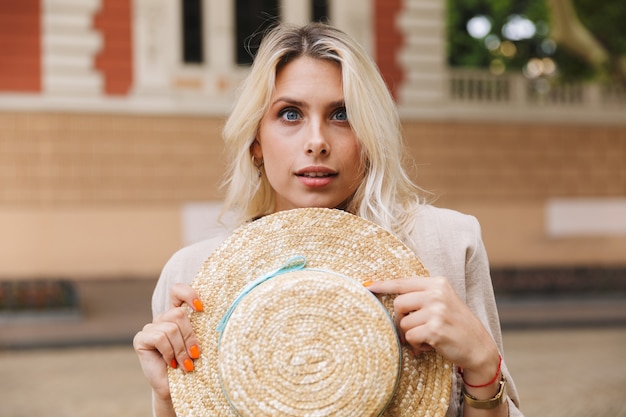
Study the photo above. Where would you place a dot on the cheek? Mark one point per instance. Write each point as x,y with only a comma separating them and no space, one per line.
274,153
262,147
273,139
358,160
275,159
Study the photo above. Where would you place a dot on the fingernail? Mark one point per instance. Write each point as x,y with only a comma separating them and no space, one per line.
174,364
368,283
197,304
188,364
194,352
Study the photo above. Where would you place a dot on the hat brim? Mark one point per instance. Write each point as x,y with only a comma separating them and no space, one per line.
330,240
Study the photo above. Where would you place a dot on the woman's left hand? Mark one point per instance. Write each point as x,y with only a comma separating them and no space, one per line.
430,315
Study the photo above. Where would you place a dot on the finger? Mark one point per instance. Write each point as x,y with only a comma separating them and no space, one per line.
403,307
155,337
423,347
147,343
396,286
407,303
417,337
172,336
183,294
184,342
410,332
416,320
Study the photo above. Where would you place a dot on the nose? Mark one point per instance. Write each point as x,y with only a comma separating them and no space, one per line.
317,143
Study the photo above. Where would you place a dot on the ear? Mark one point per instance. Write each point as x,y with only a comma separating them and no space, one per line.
256,150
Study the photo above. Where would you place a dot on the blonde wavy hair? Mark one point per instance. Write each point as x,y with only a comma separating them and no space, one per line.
387,196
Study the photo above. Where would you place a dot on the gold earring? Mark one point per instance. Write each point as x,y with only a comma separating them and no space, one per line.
258,166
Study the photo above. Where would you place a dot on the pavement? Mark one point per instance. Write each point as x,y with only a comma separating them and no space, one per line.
567,356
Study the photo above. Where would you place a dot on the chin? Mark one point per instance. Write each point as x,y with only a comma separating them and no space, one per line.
336,203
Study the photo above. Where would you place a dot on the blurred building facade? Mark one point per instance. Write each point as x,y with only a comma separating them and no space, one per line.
111,154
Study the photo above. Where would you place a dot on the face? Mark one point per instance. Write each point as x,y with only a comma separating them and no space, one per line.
311,155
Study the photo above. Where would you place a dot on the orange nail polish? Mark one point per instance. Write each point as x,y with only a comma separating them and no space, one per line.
188,364
194,352
197,304
174,364
368,283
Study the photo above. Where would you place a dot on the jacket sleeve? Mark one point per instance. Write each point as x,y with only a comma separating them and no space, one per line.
480,298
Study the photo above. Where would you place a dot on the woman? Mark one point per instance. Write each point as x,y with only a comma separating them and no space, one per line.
315,126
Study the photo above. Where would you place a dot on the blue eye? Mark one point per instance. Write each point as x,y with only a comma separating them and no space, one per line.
341,115
289,115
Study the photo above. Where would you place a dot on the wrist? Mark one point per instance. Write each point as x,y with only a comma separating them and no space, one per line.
480,392
485,402
474,379
163,408
161,395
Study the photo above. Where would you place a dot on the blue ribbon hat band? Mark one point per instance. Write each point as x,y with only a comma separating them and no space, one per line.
380,344
294,264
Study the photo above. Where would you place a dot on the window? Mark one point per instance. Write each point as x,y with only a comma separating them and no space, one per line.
193,46
319,10
253,18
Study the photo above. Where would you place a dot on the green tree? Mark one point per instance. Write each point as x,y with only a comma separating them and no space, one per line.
594,32
585,39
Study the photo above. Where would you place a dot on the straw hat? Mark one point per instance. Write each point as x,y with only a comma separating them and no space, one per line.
289,329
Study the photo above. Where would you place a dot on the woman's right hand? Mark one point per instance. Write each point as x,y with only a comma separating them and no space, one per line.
169,341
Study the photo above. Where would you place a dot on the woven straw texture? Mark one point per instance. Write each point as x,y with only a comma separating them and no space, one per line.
309,342
329,240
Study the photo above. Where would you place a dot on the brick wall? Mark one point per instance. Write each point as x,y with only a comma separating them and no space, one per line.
20,45
93,159
102,195
389,41
61,158
518,161
115,59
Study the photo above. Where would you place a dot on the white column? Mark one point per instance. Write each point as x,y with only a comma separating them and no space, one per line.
423,56
70,45
219,18
354,17
156,44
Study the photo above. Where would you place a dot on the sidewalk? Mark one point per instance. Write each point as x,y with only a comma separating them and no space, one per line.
558,372
567,356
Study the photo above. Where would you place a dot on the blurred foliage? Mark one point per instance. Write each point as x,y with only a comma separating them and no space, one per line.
604,19
466,51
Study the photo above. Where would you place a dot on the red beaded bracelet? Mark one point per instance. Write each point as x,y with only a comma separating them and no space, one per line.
494,379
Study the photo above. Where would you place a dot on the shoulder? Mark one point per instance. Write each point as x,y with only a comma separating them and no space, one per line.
445,222
191,258
182,267
446,240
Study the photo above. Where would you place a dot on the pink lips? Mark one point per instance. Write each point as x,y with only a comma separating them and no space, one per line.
316,176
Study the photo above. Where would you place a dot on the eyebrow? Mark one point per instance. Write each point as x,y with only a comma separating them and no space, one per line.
299,103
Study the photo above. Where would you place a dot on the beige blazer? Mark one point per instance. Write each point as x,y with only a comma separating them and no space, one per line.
448,243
